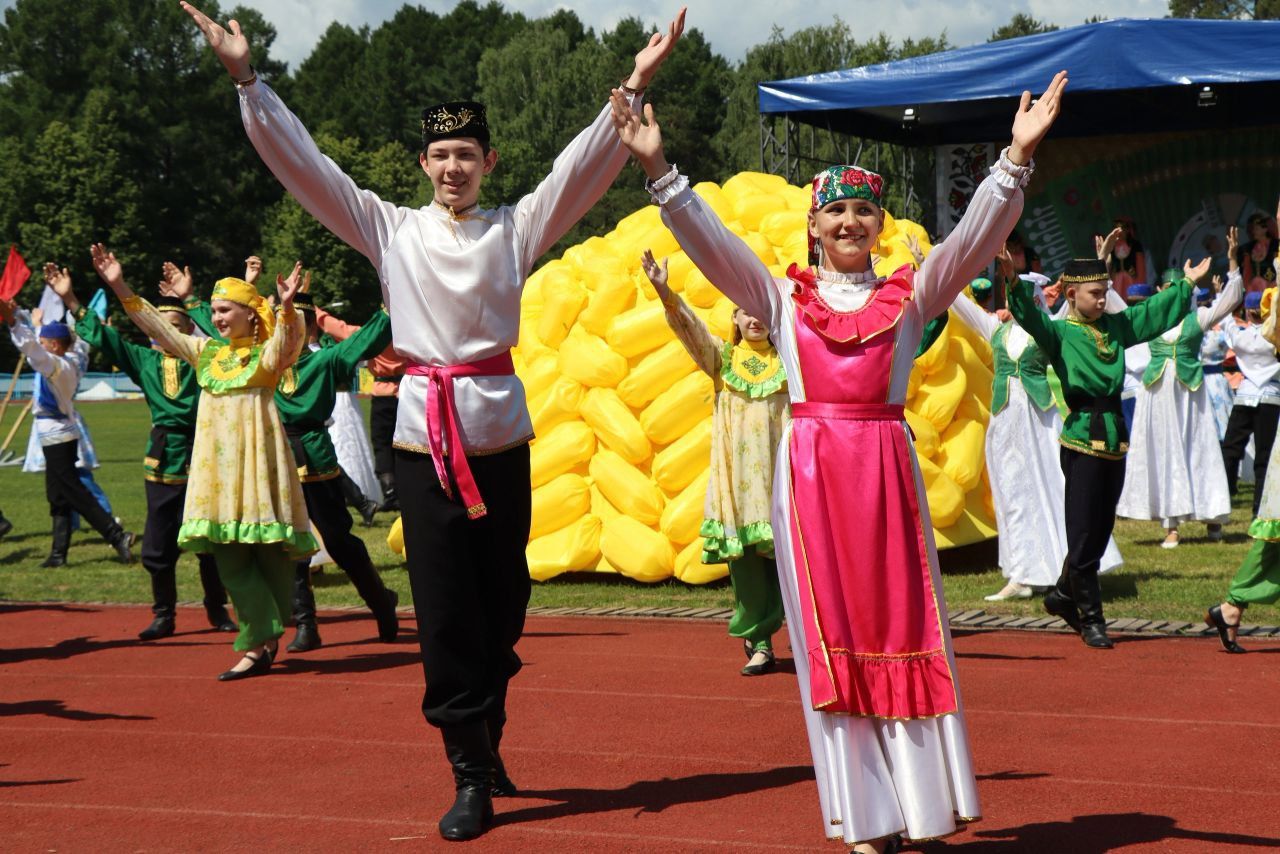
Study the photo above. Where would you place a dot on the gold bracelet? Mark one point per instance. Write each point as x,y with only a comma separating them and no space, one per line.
248,81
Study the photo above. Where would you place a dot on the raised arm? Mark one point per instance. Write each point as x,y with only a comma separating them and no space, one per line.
975,317
335,327
1153,317
587,166
722,256
994,210
141,312
1023,306
358,217
367,341
1224,303
24,338
690,331
282,348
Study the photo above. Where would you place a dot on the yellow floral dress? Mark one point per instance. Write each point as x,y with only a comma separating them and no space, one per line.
751,412
243,486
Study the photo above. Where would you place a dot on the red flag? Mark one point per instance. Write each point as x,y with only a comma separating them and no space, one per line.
15,275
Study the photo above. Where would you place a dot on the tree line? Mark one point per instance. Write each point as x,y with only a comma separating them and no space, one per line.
117,123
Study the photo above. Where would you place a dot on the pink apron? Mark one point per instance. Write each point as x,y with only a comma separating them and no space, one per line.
872,627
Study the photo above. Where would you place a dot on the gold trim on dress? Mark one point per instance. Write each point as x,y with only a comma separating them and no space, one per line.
169,374
1092,452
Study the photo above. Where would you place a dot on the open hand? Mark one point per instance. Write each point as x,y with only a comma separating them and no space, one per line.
176,283
1199,271
252,269
229,45
287,287
59,280
913,246
109,269
1104,245
1032,121
642,139
1233,248
650,59
1004,263
657,274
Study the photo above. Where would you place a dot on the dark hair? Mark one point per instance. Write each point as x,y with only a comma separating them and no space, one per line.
483,143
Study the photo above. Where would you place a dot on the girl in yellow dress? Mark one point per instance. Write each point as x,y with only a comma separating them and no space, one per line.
244,502
751,414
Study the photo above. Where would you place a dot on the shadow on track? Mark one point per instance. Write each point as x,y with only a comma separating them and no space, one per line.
58,709
1091,834
652,796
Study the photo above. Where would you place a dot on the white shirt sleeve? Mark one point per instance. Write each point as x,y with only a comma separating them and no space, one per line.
975,316
977,238
722,256
24,338
1224,303
579,177
358,217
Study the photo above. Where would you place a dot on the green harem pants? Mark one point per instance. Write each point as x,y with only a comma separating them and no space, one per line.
259,578
757,599
1257,581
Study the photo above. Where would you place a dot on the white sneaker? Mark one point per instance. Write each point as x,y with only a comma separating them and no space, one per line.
1012,590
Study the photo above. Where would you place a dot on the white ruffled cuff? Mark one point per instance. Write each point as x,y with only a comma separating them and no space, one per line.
1008,174
667,187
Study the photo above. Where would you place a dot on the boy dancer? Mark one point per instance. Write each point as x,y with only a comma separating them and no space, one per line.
1087,352
451,278
170,389
57,362
1255,411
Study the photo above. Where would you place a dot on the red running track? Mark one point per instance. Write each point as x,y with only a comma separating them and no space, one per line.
626,735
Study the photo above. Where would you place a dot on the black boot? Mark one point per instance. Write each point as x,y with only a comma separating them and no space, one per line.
161,627
388,619
1063,607
61,542
354,497
390,504
5,525
1088,596
471,755
220,618
122,541
503,787
307,636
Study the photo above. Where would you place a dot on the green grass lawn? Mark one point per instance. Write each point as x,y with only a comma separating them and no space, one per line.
1155,583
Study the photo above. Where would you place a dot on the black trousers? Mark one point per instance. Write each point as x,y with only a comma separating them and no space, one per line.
382,430
1259,422
1093,487
470,582
160,551
328,511
65,492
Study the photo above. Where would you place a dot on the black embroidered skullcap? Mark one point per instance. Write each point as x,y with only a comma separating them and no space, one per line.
304,301
1081,270
167,303
453,120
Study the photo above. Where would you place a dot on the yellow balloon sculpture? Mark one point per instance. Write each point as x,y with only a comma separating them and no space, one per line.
623,417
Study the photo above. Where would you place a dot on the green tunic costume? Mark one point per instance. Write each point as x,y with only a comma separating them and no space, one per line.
168,385
1088,357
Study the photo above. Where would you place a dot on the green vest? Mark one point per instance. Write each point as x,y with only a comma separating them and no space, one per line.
1029,368
1185,353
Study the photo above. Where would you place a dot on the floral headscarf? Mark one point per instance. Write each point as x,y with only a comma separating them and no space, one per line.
842,182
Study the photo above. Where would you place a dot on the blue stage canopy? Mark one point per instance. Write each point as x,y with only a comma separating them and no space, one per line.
1127,76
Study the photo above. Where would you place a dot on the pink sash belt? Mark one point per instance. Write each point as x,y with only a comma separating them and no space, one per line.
444,437
849,411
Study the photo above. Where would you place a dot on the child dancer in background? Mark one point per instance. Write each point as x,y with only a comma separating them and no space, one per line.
1087,353
750,418
858,568
244,502
1174,470
1255,411
1021,451
1213,353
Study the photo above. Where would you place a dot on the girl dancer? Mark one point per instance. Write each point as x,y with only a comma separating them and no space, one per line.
244,503
1175,471
750,416
858,567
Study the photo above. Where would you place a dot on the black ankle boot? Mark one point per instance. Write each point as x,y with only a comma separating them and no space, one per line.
387,618
220,619
123,542
390,504
1063,607
471,755
161,627
503,787
305,638
61,543
1088,595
